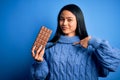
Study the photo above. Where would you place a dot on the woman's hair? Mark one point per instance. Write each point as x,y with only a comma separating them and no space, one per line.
81,28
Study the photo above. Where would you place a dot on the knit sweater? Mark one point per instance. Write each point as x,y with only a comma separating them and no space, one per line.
66,61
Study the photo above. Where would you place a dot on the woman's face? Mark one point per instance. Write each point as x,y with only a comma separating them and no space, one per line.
68,23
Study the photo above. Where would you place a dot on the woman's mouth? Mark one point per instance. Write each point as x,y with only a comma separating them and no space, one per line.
64,28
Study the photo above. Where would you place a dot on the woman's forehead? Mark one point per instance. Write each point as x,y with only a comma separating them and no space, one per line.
67,14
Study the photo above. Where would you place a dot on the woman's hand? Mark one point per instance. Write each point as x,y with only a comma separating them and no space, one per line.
38,55
84,42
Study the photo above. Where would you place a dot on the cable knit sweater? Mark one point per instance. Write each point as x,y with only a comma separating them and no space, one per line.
65,61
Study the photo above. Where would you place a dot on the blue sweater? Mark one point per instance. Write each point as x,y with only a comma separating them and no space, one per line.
65,61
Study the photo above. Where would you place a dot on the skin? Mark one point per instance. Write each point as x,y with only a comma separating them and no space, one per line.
68,25
38,55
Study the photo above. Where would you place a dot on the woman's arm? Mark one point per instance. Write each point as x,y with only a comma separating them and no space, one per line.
107,56
39,70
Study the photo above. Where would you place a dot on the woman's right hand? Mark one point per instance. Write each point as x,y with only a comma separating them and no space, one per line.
38,55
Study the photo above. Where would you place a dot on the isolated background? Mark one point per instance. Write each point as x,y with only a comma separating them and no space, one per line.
20,21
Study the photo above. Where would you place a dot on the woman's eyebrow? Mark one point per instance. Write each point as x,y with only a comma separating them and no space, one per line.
66,17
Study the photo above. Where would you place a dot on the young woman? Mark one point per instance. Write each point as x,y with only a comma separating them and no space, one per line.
72,54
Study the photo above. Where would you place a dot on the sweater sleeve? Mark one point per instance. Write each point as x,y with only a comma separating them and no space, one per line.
39,70
107,56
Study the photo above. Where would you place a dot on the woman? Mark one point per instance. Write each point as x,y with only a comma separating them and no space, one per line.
72,54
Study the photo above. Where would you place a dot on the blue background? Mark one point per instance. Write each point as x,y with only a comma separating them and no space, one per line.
20,21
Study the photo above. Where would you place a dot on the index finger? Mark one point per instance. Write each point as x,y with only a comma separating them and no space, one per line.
75,43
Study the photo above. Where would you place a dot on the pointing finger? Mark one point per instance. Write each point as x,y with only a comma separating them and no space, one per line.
75,43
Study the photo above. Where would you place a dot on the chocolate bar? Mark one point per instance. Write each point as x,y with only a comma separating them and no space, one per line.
42,38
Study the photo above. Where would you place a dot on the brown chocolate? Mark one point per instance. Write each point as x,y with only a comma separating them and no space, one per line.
42,38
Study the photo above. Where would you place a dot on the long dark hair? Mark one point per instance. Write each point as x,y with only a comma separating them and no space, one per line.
81,28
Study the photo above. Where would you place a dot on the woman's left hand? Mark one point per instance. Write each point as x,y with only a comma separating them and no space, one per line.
84,42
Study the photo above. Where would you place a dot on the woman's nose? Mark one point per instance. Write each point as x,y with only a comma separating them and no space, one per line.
65,22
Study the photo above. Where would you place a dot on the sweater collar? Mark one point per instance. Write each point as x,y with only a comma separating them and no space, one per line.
67,39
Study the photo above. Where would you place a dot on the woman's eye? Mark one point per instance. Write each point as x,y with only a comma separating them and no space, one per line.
69,20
